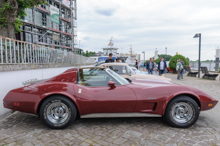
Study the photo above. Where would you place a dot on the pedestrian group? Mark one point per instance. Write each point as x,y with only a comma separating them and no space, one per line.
151,66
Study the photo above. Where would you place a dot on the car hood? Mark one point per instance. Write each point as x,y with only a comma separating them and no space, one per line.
147,76
149,83
153,87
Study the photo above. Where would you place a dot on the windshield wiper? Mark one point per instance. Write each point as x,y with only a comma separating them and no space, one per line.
128,80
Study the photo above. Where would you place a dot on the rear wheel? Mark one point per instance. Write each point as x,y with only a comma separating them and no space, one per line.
58,112
182,112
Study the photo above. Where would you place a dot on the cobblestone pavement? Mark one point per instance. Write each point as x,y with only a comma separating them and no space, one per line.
25,129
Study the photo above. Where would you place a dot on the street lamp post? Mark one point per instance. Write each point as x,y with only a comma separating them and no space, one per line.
144,55
79,43
196,36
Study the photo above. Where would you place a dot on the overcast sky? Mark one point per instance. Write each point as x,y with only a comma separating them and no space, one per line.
150,24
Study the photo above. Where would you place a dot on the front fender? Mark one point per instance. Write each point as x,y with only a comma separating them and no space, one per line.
178,94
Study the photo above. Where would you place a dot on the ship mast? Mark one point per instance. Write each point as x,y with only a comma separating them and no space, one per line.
131,50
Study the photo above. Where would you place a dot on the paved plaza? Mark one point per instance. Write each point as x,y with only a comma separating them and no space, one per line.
27,130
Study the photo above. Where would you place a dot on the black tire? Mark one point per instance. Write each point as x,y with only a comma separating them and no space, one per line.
71,111
173,120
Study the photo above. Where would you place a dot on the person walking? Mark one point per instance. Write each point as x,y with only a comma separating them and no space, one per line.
155,68
150,66
109,60
179,68
136,64
162,66
145,64
139,65
181,73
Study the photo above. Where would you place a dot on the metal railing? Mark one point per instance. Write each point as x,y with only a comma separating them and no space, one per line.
20,52
210,65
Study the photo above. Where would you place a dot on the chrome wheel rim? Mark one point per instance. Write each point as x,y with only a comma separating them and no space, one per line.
182,112
57,112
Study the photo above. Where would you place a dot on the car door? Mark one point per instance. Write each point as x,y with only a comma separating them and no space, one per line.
95,96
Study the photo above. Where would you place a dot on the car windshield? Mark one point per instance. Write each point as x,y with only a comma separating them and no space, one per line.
130,71
99,63
118,69
118,77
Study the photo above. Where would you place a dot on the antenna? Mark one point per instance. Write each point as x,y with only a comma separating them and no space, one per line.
131,50
111,43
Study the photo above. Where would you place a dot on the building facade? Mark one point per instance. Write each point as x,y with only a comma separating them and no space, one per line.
53,24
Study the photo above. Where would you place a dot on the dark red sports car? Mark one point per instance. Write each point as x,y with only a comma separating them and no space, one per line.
101,92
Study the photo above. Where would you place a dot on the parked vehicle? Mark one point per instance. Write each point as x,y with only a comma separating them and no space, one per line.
125,71
99,92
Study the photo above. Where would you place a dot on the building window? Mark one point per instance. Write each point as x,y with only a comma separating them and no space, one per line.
38,18
29,13
63,12
22,36
44,19
27,28
28,37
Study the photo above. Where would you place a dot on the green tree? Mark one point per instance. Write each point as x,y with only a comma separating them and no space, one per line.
88,54
11,12
165,57
187,58
173,61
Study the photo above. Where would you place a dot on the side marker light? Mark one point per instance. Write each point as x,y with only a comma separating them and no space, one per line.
16,104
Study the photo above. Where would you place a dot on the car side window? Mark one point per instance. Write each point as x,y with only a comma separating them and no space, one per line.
119,69
95,77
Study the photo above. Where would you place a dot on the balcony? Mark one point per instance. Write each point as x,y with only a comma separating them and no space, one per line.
66,18
43,8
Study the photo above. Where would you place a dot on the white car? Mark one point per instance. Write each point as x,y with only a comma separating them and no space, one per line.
133,68
125,71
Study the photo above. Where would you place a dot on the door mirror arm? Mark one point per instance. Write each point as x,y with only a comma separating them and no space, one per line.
111,84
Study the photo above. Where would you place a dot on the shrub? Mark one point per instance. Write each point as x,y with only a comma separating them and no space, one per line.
173,61
147,61
157,60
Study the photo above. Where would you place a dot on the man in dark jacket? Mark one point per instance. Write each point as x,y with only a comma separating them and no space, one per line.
150,66
109,60
181,72
162,66
136,64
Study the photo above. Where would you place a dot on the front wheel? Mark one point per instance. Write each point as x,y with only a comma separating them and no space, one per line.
182,112
58,112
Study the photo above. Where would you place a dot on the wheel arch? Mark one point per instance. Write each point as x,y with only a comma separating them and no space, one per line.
60,94
194,97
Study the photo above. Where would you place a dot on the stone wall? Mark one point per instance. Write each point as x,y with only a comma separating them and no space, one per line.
12,79
11,67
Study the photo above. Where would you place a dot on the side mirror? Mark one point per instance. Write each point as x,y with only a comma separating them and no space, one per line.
111,83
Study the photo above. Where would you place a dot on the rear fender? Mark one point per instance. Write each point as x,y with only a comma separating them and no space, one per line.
71,97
